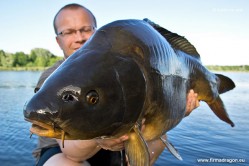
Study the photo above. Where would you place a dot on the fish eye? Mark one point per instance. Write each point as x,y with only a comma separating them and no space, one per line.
68,97
92,97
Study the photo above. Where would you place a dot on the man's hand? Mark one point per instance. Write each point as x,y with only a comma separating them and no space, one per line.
115,144
192,102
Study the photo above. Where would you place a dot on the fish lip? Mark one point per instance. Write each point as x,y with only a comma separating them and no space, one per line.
44,130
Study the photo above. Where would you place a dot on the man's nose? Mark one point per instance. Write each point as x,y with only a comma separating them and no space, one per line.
80,36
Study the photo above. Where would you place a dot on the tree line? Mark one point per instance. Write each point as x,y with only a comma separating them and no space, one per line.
243,68
38,57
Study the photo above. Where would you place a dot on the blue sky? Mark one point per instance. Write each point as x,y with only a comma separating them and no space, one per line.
219,29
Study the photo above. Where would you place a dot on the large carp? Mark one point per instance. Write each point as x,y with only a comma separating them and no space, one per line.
128,70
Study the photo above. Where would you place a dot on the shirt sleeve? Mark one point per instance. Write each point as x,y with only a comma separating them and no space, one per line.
46,74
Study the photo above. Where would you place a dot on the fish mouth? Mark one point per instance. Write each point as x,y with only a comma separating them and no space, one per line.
45,130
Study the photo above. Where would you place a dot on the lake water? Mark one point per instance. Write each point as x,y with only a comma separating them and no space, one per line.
201,138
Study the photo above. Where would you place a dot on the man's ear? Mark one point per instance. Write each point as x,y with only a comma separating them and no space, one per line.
58,41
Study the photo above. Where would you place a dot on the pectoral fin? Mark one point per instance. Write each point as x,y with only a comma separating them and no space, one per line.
171,148
136,149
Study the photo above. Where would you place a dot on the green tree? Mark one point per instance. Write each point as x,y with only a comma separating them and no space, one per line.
7,59
2,55
21,59
40,57
32,57
54,59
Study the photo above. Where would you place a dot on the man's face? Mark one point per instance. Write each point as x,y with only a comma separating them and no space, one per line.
74,28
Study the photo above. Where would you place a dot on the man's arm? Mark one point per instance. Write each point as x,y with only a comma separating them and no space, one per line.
74,153
79,150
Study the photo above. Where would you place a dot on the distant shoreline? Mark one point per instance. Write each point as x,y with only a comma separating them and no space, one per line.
242,68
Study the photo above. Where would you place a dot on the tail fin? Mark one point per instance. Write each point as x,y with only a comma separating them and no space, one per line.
219,109
226,83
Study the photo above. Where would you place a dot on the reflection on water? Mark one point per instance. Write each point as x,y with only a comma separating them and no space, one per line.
200,136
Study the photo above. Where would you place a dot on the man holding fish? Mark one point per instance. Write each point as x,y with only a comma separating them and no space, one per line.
74,25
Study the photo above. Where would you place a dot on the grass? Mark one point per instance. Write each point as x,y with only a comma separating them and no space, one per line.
34,68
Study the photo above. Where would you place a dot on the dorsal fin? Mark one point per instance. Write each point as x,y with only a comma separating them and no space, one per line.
177,42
